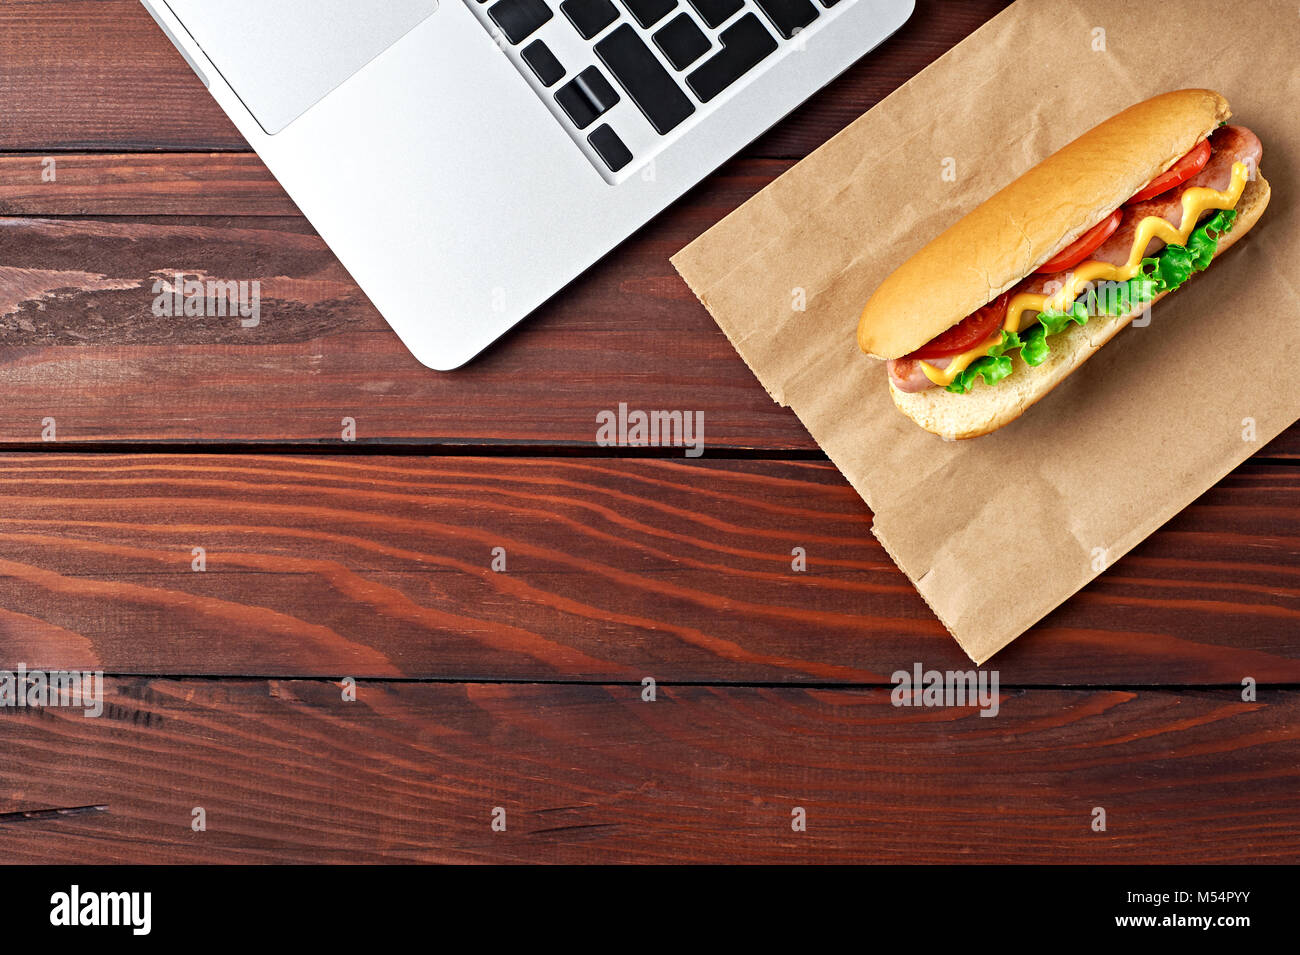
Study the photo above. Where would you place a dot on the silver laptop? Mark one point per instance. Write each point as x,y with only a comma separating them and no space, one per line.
465,159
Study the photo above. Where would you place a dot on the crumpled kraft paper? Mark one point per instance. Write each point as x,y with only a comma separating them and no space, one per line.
996,531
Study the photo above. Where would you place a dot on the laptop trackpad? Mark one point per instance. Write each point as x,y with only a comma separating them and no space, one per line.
282,57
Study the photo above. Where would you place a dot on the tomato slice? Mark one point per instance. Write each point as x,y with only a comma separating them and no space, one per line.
976,327
1082,247
1178,173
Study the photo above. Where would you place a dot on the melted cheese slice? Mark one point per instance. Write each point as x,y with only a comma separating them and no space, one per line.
1196,202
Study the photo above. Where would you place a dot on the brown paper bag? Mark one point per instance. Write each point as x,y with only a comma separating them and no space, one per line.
996,531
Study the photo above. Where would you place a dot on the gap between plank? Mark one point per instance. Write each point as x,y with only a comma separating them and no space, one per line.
433,449
701,684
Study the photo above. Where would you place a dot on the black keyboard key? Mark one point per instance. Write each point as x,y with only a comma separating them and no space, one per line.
586,96
744,44
681,41
542,62
646,81
518,18
589,17
714,13
609,147
649,12
788,15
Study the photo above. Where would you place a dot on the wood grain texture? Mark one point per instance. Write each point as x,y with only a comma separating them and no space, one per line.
615,569
140,184
99,75
80,343
286,771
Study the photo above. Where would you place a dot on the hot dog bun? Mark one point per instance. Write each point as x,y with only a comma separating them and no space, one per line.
985,409
1018,229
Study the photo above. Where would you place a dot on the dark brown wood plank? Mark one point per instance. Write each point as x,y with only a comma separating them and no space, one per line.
120,85
286,771
140,184
99,74
615,569
79,341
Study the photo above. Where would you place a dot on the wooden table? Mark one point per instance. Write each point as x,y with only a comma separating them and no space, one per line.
329,562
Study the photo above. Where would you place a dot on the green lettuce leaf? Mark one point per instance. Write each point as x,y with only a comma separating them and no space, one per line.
1175,267
1120,298
1204,240
1055,322
1035,350
993,367
1161,273
1177,262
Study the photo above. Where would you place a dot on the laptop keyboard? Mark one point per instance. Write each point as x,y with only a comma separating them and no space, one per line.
672,59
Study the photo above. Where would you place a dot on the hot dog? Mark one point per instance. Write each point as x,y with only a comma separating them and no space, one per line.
1229,145
950,383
